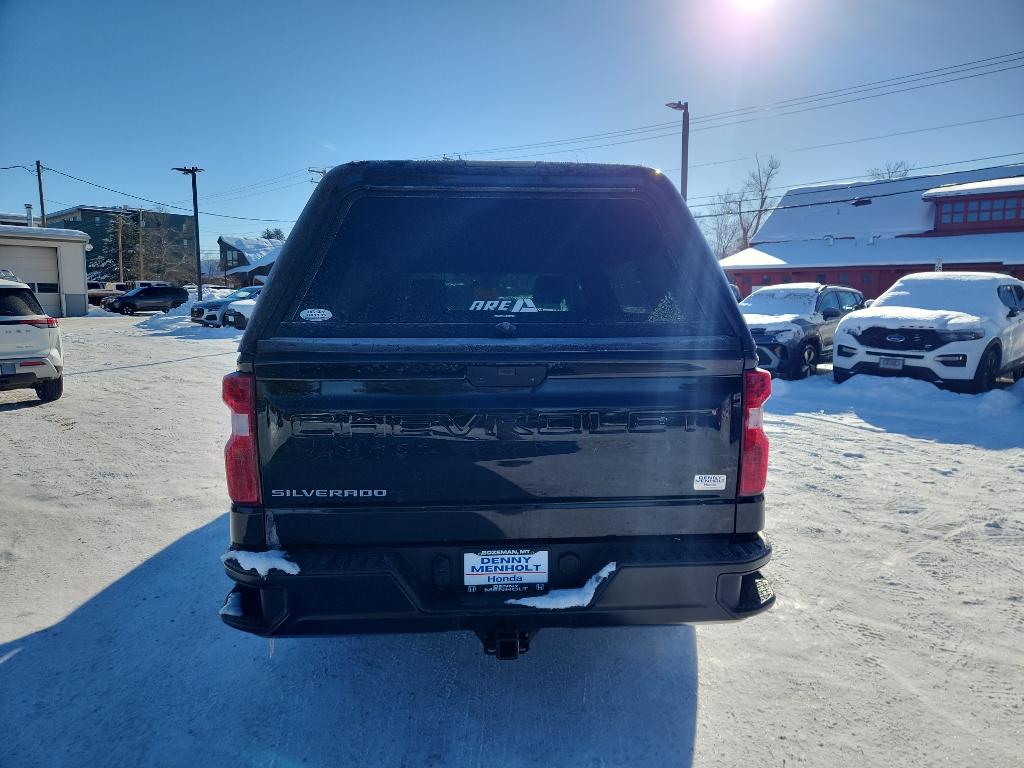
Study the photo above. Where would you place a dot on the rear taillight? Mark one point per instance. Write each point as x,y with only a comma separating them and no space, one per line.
240,459
757,388
42,322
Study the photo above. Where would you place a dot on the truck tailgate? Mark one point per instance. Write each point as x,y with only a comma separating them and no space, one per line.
379,449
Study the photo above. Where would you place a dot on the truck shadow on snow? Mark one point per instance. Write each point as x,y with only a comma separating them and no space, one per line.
144,673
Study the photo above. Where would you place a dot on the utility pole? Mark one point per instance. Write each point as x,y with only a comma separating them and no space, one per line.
192,171
684,107
319,171
120,248
42,203
142,273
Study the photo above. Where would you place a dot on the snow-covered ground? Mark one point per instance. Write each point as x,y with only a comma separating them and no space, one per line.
897,640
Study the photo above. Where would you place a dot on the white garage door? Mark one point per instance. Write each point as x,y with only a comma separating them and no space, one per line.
37,266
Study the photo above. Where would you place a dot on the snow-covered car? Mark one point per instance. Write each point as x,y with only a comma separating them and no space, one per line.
959,329
211,312
31,349
793,324
238,313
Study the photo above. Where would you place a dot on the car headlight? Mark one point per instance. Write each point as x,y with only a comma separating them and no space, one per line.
968,335
783,336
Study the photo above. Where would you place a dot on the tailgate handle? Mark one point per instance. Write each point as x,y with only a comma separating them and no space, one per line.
506,375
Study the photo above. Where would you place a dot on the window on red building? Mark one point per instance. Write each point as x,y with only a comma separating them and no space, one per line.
976,213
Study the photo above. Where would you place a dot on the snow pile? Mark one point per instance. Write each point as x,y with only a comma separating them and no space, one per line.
567,598
262,562
907,405
178,321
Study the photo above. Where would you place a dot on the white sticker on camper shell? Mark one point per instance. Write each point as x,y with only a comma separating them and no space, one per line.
709,482
316,315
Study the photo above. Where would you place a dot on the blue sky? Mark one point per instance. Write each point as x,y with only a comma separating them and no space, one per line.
119,92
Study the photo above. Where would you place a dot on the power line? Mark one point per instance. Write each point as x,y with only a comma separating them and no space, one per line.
253,185
875,85
787,104
165,205
866,138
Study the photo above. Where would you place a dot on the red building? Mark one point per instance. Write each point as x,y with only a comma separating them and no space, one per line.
866,235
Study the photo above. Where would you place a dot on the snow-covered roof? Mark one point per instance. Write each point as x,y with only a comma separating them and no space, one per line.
256,249
265,259
986,248
988,187
896,207
43,233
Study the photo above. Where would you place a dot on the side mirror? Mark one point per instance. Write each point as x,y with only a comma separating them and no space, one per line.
868,303
831,313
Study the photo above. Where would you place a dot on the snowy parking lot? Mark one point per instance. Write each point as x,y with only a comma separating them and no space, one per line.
897,640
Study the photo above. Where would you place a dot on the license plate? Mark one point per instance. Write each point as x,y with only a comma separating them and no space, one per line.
505,570
7,369
890,363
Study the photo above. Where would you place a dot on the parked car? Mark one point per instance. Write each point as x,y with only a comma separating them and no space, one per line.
31,349
793,324
211,312
238,313
154,298
133,284
6,274
98,291
546,413
959,329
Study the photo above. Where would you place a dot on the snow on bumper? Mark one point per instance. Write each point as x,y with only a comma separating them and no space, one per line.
693,579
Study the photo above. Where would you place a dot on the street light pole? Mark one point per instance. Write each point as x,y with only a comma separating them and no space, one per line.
684,107
192,171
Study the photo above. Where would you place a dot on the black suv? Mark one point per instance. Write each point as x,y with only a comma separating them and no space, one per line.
495,397
793,324
153,298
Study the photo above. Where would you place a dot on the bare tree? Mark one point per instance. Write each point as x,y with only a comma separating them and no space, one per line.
757,198
898,169
721,227
736,216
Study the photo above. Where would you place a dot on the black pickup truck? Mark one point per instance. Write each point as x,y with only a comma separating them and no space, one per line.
495,397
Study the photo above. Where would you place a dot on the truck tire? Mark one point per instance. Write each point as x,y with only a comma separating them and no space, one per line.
50,390
128,309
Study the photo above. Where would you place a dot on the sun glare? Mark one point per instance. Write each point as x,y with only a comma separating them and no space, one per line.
753,6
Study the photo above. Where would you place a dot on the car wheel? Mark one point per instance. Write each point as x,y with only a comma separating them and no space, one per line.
987,371
167,310
128,309
50,390
805,362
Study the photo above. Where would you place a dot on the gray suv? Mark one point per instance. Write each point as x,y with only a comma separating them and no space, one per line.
153,298
793,324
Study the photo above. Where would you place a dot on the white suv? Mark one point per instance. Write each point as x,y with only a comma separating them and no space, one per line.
31,353
959,329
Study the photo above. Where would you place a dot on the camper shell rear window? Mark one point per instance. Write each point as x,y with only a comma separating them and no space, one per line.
451,265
